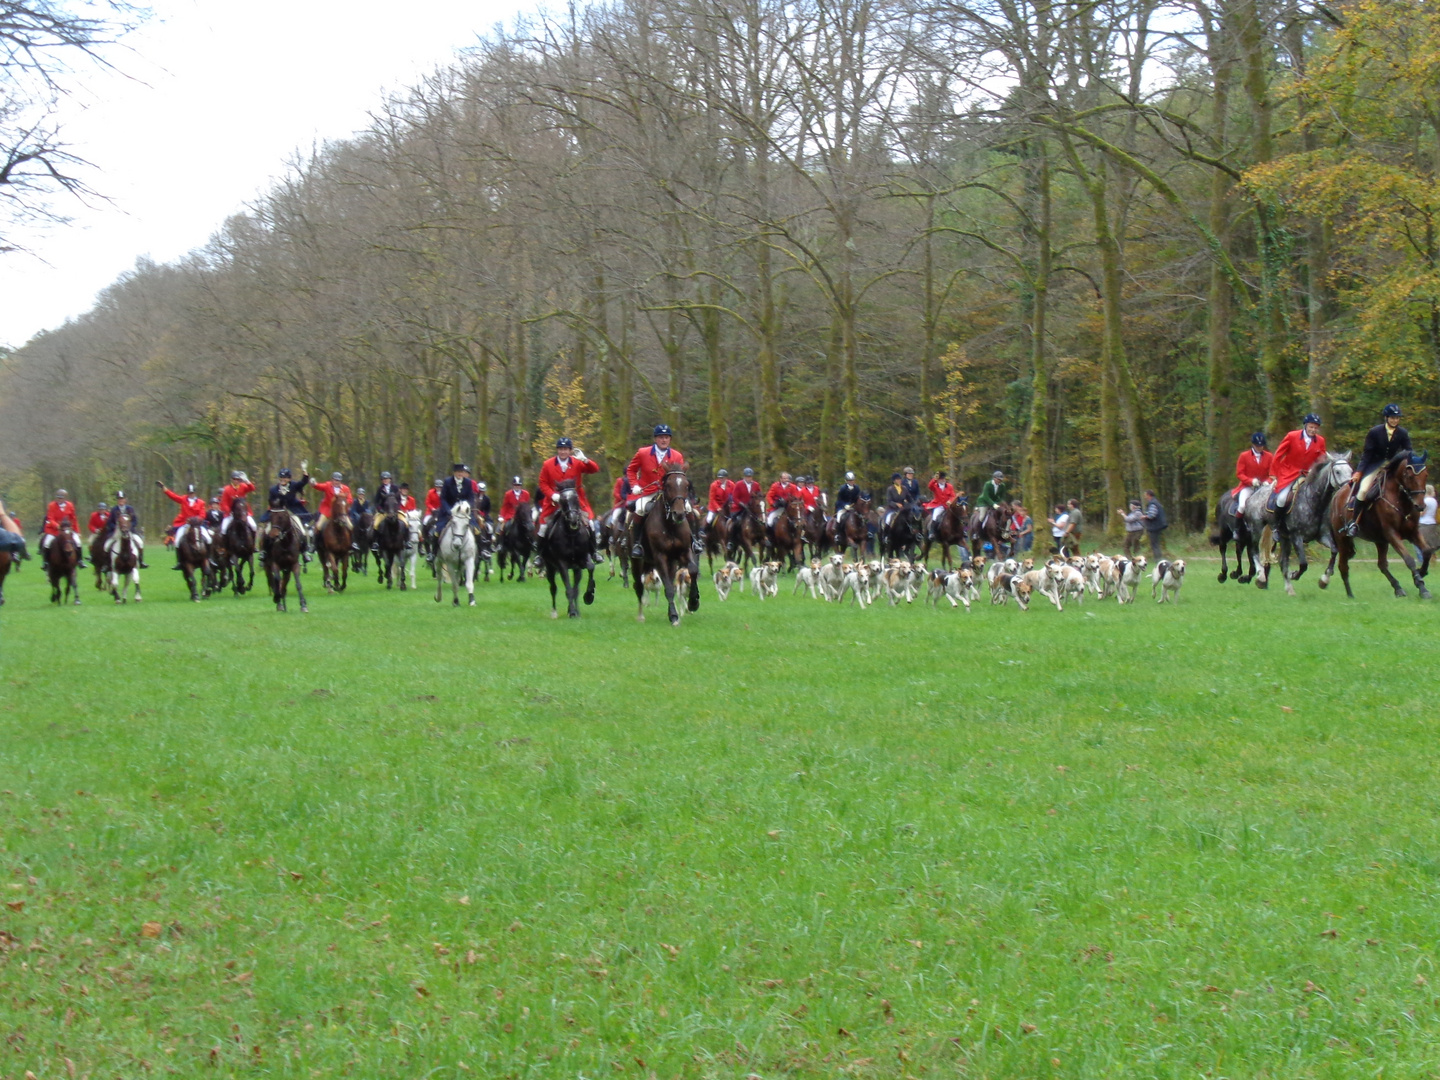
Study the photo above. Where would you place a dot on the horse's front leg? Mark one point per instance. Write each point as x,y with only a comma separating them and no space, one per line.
572,591
667,576
1404,551
300,592
590,586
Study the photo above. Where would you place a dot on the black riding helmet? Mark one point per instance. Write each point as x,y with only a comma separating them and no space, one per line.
1391,410
1258,439
1311,418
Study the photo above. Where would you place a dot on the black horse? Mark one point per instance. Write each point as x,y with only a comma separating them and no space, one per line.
392,533
1230,528
665,538
902,536
566,550
517,541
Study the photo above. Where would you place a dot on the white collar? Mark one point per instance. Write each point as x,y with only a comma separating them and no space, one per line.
660,455
1257,452
564,463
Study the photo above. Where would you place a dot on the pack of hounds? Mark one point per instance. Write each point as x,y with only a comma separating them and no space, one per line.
1059,581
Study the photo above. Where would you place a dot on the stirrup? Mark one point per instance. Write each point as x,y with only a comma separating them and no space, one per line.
637,552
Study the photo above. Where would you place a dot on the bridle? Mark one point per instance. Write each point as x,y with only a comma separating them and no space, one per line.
673,515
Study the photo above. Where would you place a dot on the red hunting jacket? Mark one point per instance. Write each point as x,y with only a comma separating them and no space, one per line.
552,473
1293,458
647,469
1248,467
190,506
719,495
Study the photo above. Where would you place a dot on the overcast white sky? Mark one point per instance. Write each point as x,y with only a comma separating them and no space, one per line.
220,94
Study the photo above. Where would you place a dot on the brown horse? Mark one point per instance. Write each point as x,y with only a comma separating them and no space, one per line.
123,556
1391,519
61,559
853,530
193,554
992,525
744,535
283,543
788,533
240,547
948,531
665,538
814,528
99,559
334,544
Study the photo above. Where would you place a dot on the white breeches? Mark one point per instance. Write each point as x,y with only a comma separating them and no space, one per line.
180,535
225,525
1242,499
772,517
935,514
710,516
113,544
1367,485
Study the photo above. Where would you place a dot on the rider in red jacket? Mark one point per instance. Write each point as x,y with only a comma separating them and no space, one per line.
745,491
60,512
331,489
191,506
516,495
99,519
1299,450
644,474
567,464
720,490
780,492
942,493
238,488
1252,468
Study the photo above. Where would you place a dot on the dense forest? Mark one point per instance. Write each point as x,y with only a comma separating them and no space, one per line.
1094,243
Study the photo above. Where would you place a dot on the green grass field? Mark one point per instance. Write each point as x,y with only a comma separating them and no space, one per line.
394,839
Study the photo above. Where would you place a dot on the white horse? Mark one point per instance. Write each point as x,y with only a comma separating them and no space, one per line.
412,546
456,558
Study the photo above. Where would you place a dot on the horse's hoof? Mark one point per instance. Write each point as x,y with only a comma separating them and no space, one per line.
1399,592
1323,582
472,601
455,602
639,618
1424,593
555,614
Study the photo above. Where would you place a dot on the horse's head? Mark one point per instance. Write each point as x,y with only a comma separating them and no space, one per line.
126,522
569,505
1333,470
239,509
675,491
862,504
1412,472
341,506
793,508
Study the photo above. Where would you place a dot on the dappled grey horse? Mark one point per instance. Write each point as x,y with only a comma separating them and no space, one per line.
1304,520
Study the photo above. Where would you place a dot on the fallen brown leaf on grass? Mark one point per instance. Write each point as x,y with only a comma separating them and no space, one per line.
151,929
1330,933
1286,708
1311,988
15,905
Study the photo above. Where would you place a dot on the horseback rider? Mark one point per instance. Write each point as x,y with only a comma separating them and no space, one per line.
407,501
122,506
238,488
514,496
98,518
359,505
1253,467
191,505
1382,442
781,491
994,492
57,513
743,494
213,515
284,494
432,501
330,489
810,495
644,474
386,492
721,489
567,464
903,493
11,538
1299,450
846,497
942,493
482,501
456,489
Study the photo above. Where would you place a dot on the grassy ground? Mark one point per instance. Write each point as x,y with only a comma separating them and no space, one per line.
390,838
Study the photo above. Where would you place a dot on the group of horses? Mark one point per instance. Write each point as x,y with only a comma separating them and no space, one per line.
1317,512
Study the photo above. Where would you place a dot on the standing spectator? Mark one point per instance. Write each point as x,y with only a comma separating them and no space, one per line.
1155,523
1059,527
1134,528
1428,535
1023,526
1077,523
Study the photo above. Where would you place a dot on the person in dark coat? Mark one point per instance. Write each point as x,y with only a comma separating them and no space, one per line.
285,493
457,488
1382,442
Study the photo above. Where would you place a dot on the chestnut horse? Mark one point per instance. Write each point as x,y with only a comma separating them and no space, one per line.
665,538
61,559
194,555
948,531
744,535
991,524
1391,519
788,533
99,558
240,547
853,530
334,546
